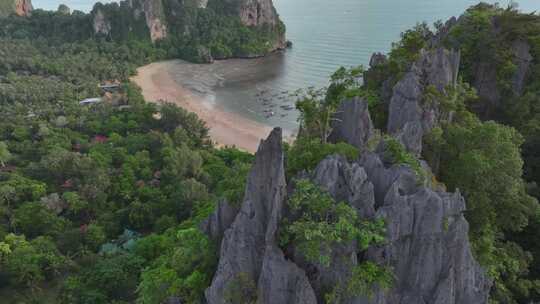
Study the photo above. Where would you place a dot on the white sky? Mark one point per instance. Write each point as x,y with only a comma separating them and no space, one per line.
74,5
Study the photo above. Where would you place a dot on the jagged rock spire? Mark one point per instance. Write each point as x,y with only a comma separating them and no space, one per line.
220,220
409,118
427,246
352,123
249,248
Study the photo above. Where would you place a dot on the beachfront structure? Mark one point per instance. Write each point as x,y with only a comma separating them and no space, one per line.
110,87
88,101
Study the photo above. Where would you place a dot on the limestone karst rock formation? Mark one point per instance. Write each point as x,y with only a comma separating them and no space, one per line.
258,13
155,19
249,248
428,246
21,8
100,24
523,60
158,16
255,12
427,235
352,123
219,221
484,69
150,12
410,118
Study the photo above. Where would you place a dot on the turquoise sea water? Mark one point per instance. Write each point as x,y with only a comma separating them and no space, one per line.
326,34
329,34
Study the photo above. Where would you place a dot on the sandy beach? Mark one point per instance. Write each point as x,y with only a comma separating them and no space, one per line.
226,128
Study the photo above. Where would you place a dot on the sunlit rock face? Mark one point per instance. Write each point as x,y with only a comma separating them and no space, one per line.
101,25
21,8
155,19
259,13
163,18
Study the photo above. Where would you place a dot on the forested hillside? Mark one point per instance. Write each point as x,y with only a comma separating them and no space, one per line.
96,200
419,183
195,30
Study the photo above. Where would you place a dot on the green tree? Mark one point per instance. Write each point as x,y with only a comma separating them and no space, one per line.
306,154
30,263
483,161
108,279
241,289
361,282
5,155
320,224
34,219
185,271
492,151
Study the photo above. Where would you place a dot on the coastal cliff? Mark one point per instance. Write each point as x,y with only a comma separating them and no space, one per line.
21,8
426,247
195,30
189,23
397,190
433,231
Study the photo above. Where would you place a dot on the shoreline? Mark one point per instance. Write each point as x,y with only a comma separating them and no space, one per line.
226,128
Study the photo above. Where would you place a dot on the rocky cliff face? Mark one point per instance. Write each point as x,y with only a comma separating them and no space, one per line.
158,19
222,218
21,8
150,12
249,251
484,70
410,118
523,60
257,12
101,24
352,123
427,235
155,19
428,246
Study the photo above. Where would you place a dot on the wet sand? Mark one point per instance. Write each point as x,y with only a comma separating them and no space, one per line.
226,128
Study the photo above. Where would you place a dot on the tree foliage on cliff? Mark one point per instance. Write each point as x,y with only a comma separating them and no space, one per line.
320,224
193,33
487,161
486,34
